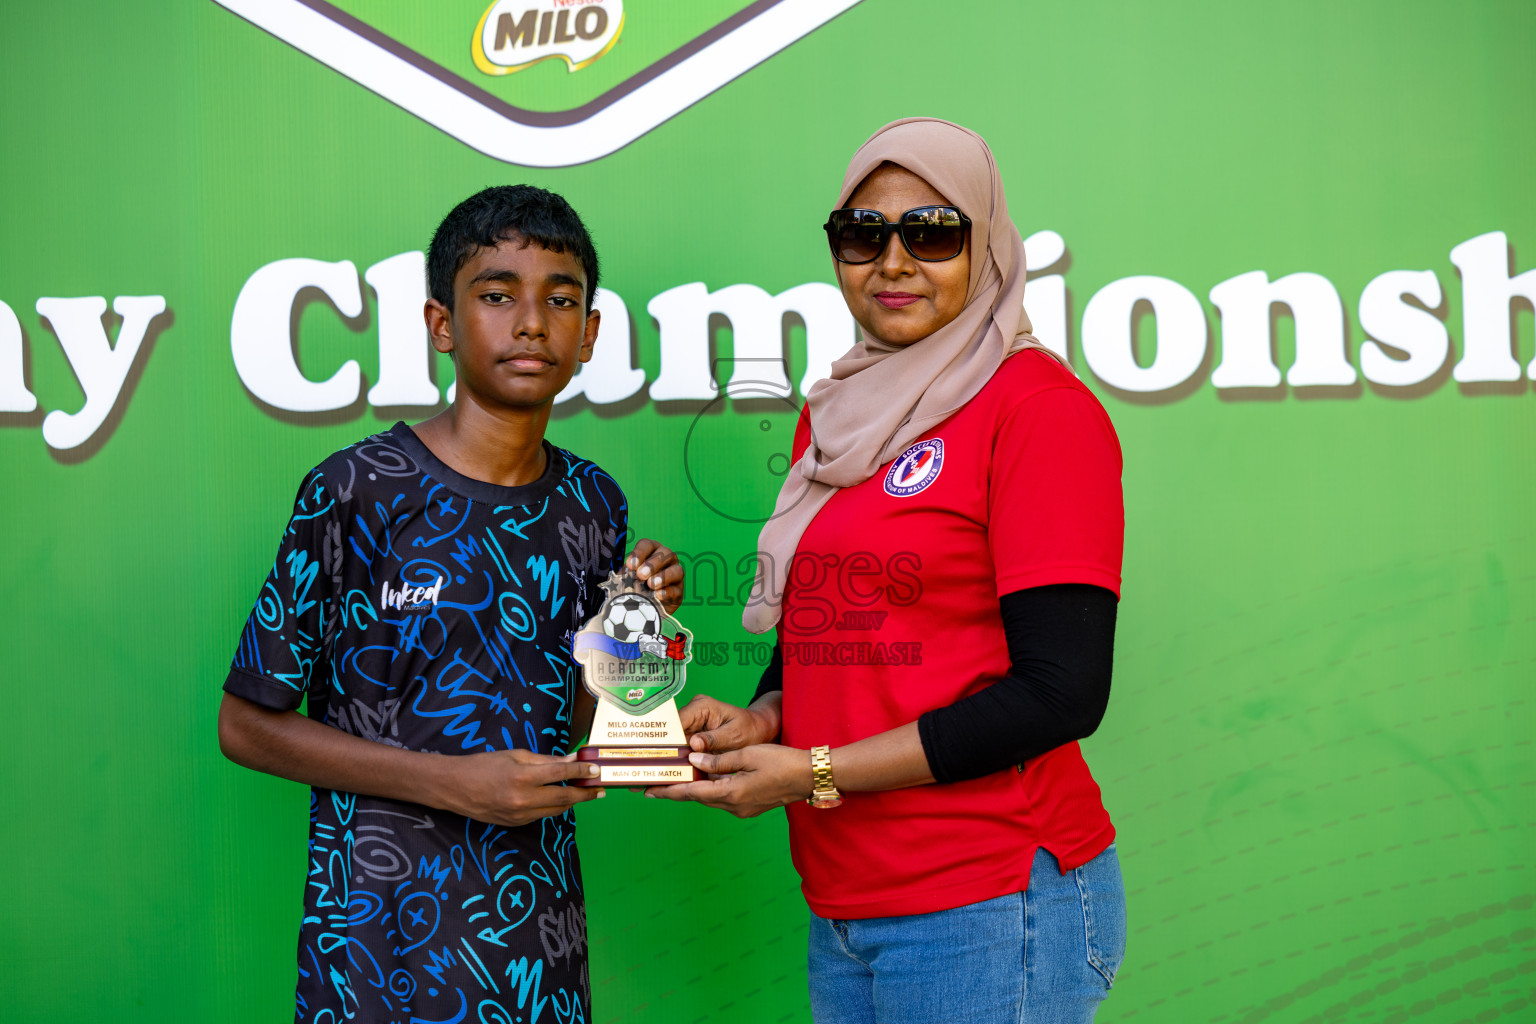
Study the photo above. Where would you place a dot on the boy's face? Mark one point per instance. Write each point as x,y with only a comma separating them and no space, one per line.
519,325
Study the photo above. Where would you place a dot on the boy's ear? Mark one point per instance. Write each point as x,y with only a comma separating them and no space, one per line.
589,338
439,325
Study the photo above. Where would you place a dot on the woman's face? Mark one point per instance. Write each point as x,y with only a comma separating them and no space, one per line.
895,298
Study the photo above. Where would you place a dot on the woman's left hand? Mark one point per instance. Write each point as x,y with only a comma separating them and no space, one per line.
746,782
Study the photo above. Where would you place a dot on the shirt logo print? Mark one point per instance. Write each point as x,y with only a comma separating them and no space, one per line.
410,597
915,469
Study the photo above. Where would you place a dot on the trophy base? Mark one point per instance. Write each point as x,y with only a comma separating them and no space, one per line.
637,766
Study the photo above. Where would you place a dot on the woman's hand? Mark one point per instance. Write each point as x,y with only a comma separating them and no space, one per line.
714,726
658,568
746,782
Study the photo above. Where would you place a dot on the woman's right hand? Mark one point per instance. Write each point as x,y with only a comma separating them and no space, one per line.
715,727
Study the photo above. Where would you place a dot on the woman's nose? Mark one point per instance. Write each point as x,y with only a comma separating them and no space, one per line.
895,260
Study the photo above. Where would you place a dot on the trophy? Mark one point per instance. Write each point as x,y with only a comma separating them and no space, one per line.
632,656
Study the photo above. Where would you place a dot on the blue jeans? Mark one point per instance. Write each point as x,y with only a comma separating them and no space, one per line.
1047,955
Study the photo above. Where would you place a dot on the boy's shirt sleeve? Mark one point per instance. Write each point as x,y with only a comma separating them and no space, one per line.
282,654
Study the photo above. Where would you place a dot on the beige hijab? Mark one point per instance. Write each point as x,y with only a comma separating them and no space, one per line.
880,398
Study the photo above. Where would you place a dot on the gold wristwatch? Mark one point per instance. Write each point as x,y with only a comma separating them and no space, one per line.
824,794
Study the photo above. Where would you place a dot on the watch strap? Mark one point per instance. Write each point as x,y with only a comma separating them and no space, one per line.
823,791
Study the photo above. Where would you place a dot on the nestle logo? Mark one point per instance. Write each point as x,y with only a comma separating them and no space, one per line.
515,34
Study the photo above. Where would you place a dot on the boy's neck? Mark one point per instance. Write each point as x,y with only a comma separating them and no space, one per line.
495,446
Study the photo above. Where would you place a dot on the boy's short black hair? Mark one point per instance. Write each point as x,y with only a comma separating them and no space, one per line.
490,216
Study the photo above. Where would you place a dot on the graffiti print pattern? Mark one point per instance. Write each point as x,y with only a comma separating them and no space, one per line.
416,607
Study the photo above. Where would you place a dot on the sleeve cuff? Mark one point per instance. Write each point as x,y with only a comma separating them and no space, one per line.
926,727
1098,576
772,677
269,693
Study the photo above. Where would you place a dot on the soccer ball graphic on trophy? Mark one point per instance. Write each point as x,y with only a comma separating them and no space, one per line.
631,616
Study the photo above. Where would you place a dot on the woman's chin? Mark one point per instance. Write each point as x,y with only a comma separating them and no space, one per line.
905,325
902,333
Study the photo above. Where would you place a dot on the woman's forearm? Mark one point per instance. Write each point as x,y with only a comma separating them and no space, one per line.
1061,641
889,760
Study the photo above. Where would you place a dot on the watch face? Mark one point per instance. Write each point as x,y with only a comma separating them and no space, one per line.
822,803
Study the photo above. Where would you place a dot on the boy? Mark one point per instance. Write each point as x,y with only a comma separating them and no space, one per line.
422,602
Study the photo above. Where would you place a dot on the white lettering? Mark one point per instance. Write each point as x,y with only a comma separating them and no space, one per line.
410,597
14,396
1106,334
1416,333
1246,360
263,348
99,366
610,375
829,327
1488,345
405,354
757,323
1045,298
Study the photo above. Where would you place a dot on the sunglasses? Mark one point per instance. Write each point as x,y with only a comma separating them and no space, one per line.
930,233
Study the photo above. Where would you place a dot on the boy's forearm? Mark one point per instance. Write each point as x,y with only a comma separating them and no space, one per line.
289,745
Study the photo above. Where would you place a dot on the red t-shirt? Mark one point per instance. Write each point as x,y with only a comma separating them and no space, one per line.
891,610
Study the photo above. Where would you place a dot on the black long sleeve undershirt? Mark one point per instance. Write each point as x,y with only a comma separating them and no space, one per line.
1061,641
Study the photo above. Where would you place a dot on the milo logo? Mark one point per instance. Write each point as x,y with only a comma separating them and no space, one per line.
514,34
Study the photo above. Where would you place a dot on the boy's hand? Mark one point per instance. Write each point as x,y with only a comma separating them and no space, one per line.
514,787
659,568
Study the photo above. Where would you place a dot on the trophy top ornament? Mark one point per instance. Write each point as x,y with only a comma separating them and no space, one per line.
622,581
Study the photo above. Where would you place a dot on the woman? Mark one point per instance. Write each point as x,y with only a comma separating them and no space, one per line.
947,551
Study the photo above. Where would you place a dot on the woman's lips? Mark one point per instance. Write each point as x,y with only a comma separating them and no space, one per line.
895,300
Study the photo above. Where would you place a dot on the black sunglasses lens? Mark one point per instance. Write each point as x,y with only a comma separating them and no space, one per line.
933,233
856,235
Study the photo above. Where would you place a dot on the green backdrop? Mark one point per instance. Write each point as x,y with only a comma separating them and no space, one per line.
1319,749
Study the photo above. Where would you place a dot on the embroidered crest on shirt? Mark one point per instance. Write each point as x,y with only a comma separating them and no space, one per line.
915,468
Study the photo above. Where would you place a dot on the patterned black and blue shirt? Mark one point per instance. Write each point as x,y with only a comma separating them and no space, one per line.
417,607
